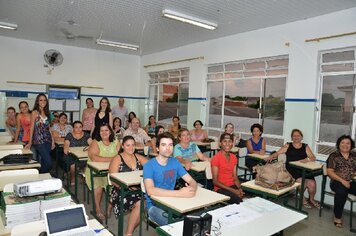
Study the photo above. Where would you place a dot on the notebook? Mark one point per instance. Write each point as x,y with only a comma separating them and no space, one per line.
66,221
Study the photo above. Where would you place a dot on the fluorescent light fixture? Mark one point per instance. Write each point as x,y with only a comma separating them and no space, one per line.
117,44
189,19
6,25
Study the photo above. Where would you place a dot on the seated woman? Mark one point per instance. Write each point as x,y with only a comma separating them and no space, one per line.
198,134
298,151
61,129
256,144
103,149
174,127
118,130
127,161
223,168
77,138
186,152
151,126
341,168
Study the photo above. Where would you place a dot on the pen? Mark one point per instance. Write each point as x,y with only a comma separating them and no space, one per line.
235,213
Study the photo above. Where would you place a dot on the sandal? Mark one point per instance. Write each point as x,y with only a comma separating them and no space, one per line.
307,205
338,224
315,204
100,216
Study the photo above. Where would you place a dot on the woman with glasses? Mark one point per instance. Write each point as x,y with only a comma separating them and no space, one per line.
198,134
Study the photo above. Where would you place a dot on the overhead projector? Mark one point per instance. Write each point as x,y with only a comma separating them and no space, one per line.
39,187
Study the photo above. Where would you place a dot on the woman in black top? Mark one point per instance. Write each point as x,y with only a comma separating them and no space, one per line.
127,161
102,116
298,151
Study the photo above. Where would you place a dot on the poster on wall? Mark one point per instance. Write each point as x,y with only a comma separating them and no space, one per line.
72,105
55,104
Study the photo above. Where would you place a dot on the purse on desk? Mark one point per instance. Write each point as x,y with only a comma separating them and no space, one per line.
274,176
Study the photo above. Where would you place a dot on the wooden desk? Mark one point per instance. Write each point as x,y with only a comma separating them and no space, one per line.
308,169
79,155
22,178
126,180
257,157
31,165
266,192
197,171
97,169
35,228
179,206
269,223
11,146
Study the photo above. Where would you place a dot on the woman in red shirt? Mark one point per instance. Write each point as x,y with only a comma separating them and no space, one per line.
223,167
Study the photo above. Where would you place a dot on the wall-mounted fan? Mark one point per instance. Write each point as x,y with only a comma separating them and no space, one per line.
53,58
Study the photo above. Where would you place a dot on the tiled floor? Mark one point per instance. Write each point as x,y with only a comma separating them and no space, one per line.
313,225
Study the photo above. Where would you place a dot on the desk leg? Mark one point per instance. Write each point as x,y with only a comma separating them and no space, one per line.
76,180
92,191
121,216
301,191
170,217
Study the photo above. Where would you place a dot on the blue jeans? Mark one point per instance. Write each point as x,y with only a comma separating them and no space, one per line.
158,215
44,152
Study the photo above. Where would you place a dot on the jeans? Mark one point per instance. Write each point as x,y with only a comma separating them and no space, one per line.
44,151
158,215
341,193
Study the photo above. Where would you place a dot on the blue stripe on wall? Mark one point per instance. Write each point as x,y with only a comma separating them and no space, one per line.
301,100
196,98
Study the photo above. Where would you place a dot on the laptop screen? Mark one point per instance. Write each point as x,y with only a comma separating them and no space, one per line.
66,220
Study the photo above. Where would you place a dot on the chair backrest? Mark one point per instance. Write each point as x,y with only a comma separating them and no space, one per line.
208,173
7,152
7,173
109,181
242,152
214,145
8,188
143,189
325,171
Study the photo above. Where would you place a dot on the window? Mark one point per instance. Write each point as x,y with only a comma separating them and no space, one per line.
248,92
337,99
168,95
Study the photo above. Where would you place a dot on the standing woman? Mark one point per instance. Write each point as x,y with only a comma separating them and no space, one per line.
341,168
88,116
102,149
175,127
11,121
40,135
23,121
102,116
127,161
256,144
151,126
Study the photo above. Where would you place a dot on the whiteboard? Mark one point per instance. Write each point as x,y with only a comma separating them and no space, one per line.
55,104
72,105
75,116
14,102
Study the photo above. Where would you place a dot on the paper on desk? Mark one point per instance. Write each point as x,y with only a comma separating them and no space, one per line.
233,215
260,205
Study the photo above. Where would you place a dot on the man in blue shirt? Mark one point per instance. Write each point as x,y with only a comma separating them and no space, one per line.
160,175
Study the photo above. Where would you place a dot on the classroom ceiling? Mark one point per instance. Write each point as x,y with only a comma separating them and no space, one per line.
80,22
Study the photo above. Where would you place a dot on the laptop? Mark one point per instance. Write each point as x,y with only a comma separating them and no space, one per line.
67,221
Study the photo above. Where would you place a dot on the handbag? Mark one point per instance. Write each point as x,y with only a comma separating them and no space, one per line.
273,175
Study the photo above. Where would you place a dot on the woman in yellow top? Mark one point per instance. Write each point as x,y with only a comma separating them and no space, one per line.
103,149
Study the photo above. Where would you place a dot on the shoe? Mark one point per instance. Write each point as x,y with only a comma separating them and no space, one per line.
315,204
307,205
338,224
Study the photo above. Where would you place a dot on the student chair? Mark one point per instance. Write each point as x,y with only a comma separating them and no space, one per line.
350,198
143,211
247,174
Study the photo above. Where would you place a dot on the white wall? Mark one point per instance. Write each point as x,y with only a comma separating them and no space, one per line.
22,60
288,39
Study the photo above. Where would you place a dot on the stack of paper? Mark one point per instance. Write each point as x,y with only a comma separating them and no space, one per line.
20,210
55,200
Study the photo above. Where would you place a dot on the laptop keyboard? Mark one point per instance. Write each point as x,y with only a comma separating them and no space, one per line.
85,233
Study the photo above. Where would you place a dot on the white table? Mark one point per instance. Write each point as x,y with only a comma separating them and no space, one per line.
269,223
22,178
35,228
